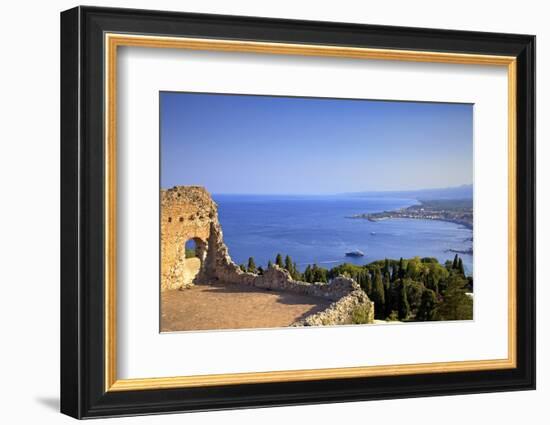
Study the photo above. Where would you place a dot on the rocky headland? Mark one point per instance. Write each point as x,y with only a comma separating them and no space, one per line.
453,211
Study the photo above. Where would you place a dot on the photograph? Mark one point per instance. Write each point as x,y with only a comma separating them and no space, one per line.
285,211
282,209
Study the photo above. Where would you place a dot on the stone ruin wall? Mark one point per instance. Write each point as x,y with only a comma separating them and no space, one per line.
188,212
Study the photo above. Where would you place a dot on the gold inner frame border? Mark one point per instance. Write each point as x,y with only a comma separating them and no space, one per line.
112,41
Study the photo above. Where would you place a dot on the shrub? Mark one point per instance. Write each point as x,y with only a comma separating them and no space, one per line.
393,317
360,315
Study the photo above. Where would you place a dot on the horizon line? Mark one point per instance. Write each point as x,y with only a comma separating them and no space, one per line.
367,191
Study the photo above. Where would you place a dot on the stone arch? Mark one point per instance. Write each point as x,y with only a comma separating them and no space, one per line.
200,248
193,265
187,213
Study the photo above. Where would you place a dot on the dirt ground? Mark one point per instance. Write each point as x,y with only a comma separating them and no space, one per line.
230,306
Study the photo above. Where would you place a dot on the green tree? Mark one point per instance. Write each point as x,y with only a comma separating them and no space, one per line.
388,296
279,261
378,296
319,274
359,276
363,279
456,305
401,273
428,305
395,272
242,267
470,284
296,273
308,275
429,260
288,264
434,291
455,262
432,283
368,283
386,268
414,294
386,281
403,311
269,264
413,267
460,267
251,265
260,270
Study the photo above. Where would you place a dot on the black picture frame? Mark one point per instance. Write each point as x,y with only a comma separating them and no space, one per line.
83,392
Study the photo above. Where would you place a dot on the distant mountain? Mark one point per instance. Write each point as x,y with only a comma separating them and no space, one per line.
458,192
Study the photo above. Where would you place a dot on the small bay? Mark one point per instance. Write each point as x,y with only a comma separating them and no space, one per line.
317,229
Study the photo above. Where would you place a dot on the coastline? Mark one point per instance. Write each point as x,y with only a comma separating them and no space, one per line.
315,230
466,225
451,211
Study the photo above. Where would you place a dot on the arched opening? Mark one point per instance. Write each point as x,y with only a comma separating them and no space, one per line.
193,259
191,248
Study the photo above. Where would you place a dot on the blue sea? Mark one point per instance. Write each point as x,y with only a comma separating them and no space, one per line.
315,229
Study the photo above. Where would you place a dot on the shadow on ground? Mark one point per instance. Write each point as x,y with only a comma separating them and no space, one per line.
49,402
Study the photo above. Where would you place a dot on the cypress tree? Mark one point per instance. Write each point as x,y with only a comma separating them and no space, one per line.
260,270
395,272
368,283
288,264
403,303
307,274
269,264
296,275
461,267
386,280
388,298
378,295
401,273
279,261
428,304
455,262
314,273
320,274
358,277
386,268
242,267
251,265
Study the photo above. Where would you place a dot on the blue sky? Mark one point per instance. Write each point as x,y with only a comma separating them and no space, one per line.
287,145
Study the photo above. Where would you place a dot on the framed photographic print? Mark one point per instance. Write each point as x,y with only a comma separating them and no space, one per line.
261,212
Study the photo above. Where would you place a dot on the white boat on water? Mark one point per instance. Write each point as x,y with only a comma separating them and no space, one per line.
356,253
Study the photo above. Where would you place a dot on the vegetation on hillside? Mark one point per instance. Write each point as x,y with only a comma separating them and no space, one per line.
414,289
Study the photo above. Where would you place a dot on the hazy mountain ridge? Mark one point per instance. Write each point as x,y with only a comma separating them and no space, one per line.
457,192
